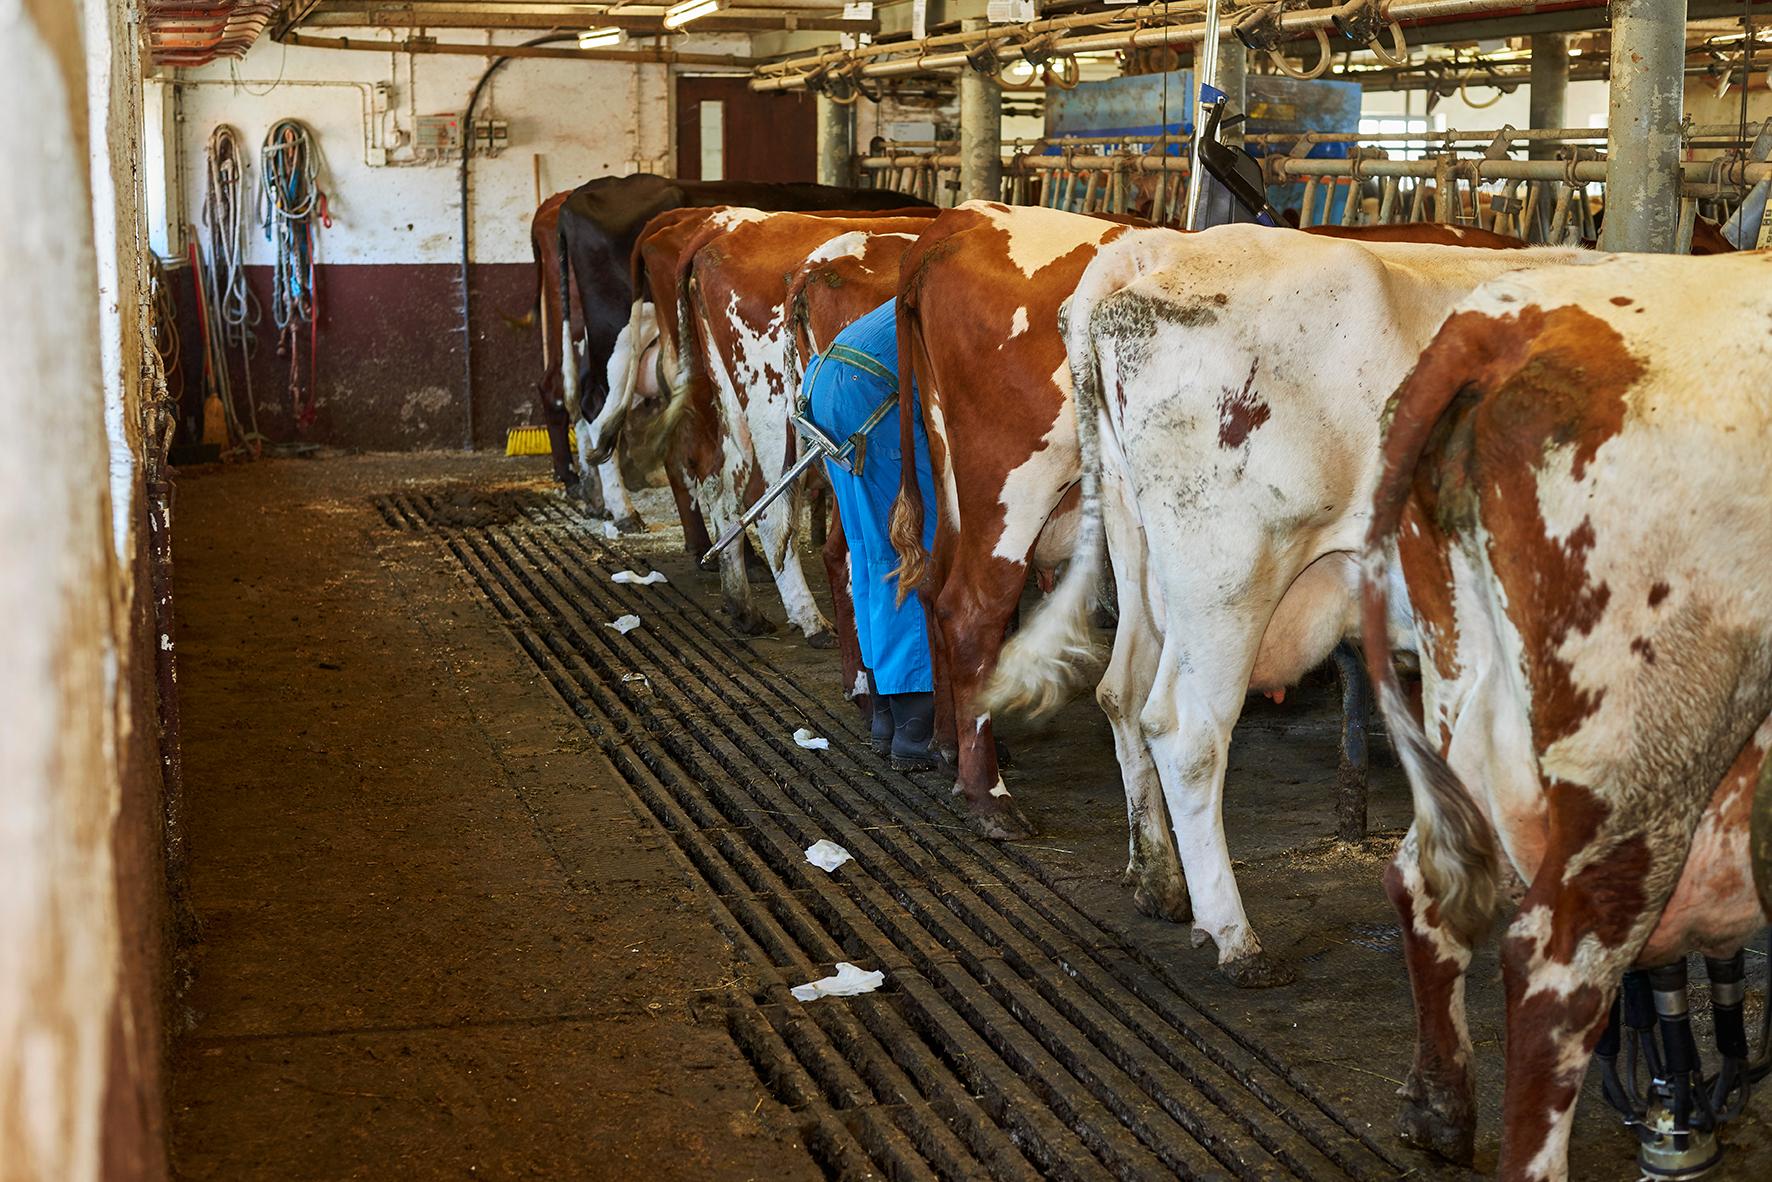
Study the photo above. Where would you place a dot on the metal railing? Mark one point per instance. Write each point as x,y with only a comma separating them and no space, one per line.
1462,177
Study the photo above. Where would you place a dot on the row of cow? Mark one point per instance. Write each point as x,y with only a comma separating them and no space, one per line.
1515,462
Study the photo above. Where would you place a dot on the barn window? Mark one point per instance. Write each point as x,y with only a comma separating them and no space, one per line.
1404,149
713,140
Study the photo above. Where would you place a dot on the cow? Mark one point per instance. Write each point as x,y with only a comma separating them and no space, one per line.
732,327
562,326
1003,445
1228,390
600,223
1576,489
844,279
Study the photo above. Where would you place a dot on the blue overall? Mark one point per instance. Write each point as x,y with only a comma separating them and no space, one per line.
840,396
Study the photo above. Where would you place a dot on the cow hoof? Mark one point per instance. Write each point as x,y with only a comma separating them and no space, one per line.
1161,897
1003,821
631,524
823,638
1437,1131
752,624
1257,970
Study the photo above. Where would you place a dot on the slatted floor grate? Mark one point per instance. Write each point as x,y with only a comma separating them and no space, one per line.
1014,1038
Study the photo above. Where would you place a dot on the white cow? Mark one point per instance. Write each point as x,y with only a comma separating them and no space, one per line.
1229,389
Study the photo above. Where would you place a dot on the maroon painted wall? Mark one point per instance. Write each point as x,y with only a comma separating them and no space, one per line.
390,367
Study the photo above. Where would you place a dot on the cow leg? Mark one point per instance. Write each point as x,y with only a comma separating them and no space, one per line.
947,735
1187,720
1589,911
696,541
972,611
776,528
615,497
1153,867
835,554
735,593
821,496
1356,721
1439,1097
585,477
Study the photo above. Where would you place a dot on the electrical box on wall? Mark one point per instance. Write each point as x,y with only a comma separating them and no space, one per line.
435,135
491,136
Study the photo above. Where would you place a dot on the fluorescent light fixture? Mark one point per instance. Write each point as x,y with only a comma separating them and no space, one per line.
681,13
600,38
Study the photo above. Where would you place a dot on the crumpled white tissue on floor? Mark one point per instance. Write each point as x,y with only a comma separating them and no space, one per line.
848,982
624,624
646,580
827,855
811,741
609,530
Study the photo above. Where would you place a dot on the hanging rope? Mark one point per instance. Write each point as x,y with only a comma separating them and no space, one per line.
231,311
290,198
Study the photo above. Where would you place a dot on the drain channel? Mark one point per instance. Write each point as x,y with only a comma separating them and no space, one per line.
1015,1038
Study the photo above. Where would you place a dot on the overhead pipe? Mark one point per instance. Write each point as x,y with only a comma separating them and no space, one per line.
942,40
562,53
1004,44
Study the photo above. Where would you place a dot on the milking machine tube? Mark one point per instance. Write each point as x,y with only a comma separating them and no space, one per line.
822,447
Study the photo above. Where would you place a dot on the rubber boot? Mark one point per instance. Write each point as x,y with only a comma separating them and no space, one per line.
913,731
880,738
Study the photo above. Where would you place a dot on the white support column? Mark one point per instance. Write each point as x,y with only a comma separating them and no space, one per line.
836,142
58,578
1643,142
981,134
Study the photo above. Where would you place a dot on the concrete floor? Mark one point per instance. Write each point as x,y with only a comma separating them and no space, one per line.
437,944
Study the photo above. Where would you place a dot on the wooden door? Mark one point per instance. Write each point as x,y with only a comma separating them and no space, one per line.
727,131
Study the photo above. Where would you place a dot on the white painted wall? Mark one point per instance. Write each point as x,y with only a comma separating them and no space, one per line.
569,122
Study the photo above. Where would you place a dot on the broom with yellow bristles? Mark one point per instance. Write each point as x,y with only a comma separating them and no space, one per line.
531,441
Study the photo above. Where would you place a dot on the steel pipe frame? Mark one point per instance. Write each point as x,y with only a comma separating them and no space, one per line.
1725,173
1696,173
1026,29
1005,46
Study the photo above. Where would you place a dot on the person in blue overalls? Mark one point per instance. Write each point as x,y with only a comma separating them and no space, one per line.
842,387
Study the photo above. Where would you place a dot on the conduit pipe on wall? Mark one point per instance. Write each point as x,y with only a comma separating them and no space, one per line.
467,153
1007,43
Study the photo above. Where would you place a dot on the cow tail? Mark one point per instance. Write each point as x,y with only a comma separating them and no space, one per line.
684,379
623,379
568,355
1459,859
1042,663
905,529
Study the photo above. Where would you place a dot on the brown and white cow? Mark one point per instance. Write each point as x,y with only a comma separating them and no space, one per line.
1229,386
717,281
989,279
1577,485
840,282
733,291
978,305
